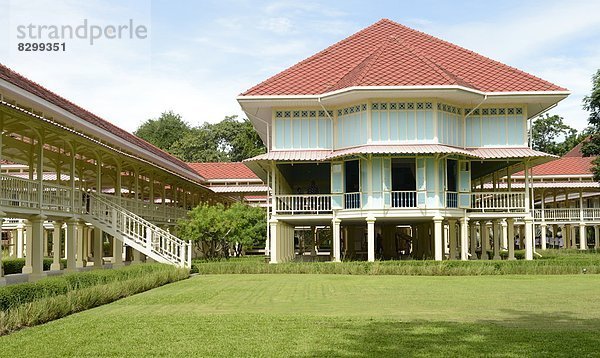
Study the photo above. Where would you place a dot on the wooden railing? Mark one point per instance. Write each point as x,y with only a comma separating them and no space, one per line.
567,214
498,201
303,204
138,232
352,200
404,199
23,193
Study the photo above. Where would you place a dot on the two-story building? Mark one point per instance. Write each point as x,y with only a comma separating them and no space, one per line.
389,137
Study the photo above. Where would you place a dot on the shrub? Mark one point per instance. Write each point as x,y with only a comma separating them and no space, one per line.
15,295
12,266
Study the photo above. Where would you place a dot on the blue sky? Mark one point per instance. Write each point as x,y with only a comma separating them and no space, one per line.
200,55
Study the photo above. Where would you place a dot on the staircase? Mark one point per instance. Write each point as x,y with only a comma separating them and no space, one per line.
135,231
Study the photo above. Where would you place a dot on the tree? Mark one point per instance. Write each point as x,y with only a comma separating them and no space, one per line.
591,103
238,139
547,131
164,131
199,145
218,231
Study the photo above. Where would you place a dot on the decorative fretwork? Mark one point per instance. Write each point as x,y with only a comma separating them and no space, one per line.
401,106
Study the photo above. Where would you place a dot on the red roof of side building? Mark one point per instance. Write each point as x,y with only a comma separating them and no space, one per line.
233,170
26,84
572,163
389,54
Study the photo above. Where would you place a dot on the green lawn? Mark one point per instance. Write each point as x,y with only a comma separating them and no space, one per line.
334,315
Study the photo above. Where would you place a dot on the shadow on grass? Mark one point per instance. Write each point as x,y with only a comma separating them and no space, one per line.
524,335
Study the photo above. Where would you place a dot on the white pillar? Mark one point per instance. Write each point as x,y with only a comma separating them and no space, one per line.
46,243
452,239
2,215
510,236
35,251
528,238
371,239
20,238
437,237
82,230
485,239
336,240
596,239
503,227
137,256
582,237
98,248
70,244
57,227
117,252
464,238
473,240
496,239
543,236
28,247
274,235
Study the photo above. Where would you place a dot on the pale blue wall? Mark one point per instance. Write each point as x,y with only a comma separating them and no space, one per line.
449,124
352,126
306,129
402,121
496,127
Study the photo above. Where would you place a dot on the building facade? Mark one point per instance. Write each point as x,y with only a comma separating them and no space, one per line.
399,142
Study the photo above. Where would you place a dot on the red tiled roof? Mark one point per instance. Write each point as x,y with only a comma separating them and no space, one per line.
20,81
389,54
501,153
234,170
572,163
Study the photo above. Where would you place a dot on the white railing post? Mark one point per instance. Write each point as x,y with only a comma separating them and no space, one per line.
189,245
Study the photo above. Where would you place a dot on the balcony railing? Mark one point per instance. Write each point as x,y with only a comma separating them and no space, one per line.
496,201
352,200
404,199
567,214
23,193
303,204
451,199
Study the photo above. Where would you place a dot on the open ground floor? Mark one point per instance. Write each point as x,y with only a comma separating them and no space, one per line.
334,315
474,236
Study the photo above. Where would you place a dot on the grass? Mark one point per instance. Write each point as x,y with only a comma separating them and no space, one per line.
333,315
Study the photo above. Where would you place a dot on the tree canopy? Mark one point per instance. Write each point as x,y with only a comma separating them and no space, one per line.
591,104
218,231
551,135
230,140
164,131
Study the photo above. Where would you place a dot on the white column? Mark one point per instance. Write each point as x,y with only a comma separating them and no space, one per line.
20,238
543,236
81,255
473,240
510,236
336,240
503,226
496,239
70,244
437,237
28,247
46,243
137,256
582,237
35,251
596,239
274,244
2,215
464,238
371,239
452,239
117,252
485,239
56,246
98,248
528,238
